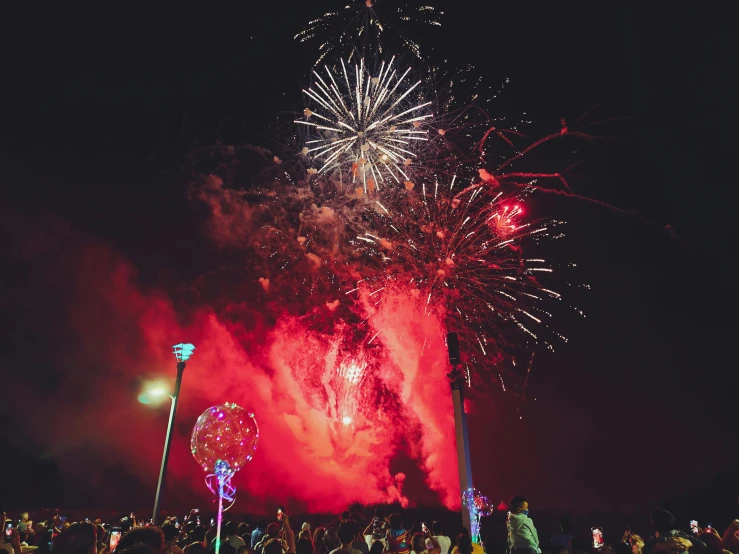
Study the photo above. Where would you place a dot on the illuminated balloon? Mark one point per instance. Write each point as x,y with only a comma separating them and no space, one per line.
477,503
483,506
227,433
468,497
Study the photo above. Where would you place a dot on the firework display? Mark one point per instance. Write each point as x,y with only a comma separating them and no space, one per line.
356,29
459,250
399,210
367,126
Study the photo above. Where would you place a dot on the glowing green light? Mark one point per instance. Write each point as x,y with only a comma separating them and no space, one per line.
183,351
144,398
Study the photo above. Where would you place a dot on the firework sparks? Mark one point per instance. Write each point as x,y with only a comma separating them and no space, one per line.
352,371
463,104
356,29
366,127
344,390
459,250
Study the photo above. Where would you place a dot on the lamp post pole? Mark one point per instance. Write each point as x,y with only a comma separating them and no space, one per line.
168,439
456,377
182,352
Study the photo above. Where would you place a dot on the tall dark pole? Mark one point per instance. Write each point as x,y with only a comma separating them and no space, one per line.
168,439
457,378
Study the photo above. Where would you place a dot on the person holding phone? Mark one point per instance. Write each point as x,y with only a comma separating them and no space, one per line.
273,543
445,543
522,535
423,544
377,529
171,533
635,542
669,540
730,540
359,543
10,539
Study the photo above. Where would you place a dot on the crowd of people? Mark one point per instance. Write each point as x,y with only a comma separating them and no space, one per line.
666,537
349,533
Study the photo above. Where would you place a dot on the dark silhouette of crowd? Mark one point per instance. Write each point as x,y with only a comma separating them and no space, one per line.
349,533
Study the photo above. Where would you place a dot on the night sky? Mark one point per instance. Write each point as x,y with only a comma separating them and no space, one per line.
100,106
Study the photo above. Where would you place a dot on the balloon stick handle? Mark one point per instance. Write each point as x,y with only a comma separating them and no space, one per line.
221,478
220,519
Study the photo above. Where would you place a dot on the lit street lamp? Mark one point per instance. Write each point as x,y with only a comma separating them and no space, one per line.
182,352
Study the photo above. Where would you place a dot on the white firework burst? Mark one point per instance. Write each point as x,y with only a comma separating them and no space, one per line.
368,128
357,30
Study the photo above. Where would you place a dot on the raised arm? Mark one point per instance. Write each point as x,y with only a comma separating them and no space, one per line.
729,541
289,535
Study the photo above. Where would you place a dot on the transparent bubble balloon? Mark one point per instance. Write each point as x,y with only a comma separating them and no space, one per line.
477,503
227,433
468,497
482,506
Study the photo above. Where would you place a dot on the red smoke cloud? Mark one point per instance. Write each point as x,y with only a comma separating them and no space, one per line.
117,333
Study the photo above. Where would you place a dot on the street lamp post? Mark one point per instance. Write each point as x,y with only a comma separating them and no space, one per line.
182,352
464,465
